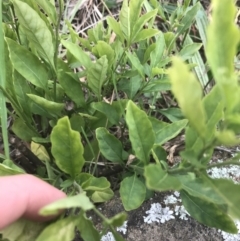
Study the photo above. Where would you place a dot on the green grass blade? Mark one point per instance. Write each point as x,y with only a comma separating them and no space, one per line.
3,109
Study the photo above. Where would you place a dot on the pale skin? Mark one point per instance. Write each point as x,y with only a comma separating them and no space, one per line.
23,196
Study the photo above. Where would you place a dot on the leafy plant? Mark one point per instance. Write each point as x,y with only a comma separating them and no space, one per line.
86,106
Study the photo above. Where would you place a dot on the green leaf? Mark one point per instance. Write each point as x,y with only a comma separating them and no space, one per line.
145,34
22,130
22,88
157,85
102,48
170,131
102,195
35,29
140,132
208,213
173,114
92,183
28,65
78,201
49,9
109,145
213,106
228,192
62,230
81,56
108,110
132,192
117,220
72,88
183,83
220,54
96,75
115,26
227,138
22,230
188,50
135,7
67,148
5,170
124,20
159,180
140,22
136,63
188,18
44,107
131,86
157,53
87,230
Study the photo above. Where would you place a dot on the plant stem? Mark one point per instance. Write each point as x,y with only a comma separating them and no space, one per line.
56,48
3,83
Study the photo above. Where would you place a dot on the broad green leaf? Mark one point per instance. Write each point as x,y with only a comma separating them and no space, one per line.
124,20
108,110
136,63
102,48
188,93
140,22
228,192
22,230
78,201
157,85
140,132
115,26
5,170
9,70
22,130
188,50
28,65
35,29
170,131
102,195
117,220
213,106
44,107
220,54
39,151
67,148
96,75
145,34
208,213
95,183
81,56
157,125
62,230
72,88
159,180
135,7
117,236
192,141
157,53
22,88
199,188
77,122
109,145
49,9
132,192
87,230
131,86
227,138
188,18
173,114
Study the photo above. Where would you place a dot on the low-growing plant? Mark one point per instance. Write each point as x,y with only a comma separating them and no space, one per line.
85,107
